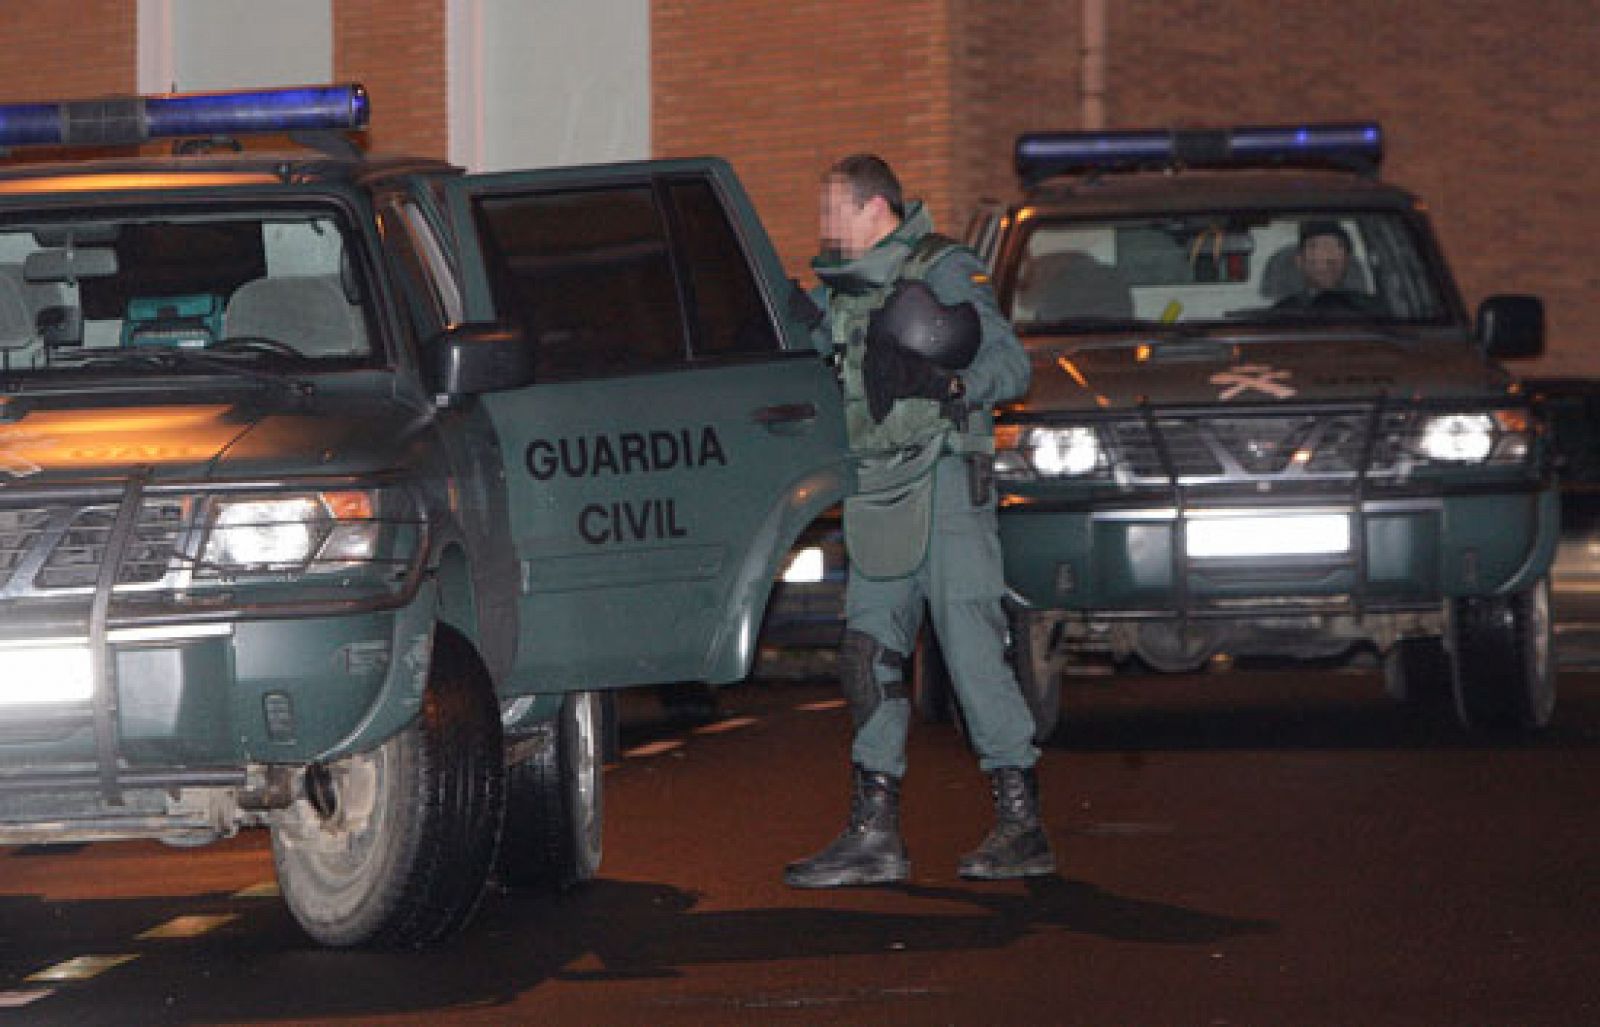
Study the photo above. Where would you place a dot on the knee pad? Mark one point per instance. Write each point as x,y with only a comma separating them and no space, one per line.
869,673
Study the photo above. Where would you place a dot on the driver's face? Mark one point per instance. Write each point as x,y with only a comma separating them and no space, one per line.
1323,260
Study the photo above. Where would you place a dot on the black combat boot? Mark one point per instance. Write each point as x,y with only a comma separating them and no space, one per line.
870,851
1017,847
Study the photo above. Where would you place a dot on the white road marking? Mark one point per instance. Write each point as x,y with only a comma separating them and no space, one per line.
188,926
655,748
18,999
1127,828
825,704
81,968
260,890
732,724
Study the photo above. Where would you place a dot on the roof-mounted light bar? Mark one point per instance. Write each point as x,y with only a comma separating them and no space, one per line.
1353,145
129,120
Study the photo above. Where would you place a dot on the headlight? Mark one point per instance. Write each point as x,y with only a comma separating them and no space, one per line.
1500,437
1058,452
331,530
269,532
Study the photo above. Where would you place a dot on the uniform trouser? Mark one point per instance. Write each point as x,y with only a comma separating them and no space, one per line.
962,581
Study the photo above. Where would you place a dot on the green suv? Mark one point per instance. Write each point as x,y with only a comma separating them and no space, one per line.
336,491
1262,423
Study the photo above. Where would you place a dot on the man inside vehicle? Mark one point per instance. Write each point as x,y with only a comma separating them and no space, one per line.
1323,260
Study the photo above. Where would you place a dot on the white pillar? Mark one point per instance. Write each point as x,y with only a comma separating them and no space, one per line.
464,110
157,71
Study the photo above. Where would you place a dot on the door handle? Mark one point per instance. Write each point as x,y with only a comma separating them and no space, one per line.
784,413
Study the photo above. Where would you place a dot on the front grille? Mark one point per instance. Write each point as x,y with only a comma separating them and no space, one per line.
19,533
1263,446
75,561
55,542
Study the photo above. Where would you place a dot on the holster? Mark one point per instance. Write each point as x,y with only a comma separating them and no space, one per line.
980,478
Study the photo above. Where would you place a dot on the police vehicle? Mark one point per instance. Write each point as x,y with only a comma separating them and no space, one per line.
1263,423
336,491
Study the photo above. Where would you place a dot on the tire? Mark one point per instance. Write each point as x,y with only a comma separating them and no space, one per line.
555,800
397,848
933,696
1505,677
1038,670
1417,673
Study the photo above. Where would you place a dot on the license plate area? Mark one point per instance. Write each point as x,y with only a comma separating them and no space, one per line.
1232,535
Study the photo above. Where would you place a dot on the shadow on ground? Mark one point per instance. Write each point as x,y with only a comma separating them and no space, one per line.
260,968
1283,710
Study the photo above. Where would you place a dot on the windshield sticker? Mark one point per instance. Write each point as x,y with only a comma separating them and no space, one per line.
1253,378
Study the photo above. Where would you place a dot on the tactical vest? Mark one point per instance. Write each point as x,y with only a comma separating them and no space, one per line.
910,421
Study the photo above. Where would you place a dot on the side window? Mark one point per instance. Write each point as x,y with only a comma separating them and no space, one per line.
588,276
729,316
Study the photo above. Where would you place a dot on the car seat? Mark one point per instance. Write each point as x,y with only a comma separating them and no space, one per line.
17,327
1072,284
309,312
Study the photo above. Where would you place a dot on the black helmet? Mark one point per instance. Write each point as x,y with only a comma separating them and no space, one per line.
914,319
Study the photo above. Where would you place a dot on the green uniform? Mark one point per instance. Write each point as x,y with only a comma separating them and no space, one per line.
960,574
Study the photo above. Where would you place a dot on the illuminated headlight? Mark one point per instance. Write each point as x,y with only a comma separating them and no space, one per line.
1062,452
331,529
39,673
806,567
1458,438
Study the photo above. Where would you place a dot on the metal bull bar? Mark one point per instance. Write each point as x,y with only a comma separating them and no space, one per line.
102,667
1356,498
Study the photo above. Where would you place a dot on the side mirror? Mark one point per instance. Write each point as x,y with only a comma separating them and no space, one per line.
1511,326
475,358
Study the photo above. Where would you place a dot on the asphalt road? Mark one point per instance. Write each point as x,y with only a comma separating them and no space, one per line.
1241,848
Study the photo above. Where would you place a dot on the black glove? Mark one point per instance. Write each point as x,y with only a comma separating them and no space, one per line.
889,373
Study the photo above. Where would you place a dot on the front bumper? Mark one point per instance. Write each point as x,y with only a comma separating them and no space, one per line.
1404,553
191,705
187,687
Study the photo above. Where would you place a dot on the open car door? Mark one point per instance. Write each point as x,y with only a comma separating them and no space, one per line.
680,431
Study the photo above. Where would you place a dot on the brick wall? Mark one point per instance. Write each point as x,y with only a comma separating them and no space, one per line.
396,48
1018,71
784,87
59,50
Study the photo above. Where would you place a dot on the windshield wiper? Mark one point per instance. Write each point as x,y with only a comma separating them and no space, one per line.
175,360
1071,324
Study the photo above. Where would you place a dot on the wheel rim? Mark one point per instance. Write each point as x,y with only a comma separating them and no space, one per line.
587,821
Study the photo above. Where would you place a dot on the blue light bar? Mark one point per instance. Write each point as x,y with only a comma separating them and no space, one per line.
129,120
1352,145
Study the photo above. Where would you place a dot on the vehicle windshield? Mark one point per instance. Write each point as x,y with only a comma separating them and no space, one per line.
169,291
1279,267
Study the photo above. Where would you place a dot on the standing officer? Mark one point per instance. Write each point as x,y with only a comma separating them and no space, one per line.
924,353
